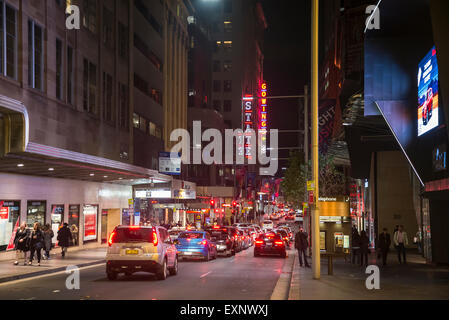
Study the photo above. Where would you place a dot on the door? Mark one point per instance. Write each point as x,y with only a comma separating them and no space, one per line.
57,219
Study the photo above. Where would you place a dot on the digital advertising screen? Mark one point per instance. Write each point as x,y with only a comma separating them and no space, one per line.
428,93
439,158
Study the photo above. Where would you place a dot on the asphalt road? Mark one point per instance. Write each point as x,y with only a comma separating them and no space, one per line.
242,277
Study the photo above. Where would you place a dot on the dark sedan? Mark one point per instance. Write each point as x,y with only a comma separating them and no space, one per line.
270,244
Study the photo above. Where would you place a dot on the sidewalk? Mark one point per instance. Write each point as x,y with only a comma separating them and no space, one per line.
415,280
81,258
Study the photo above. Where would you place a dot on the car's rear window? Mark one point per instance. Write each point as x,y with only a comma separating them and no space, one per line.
218,235
133,235
191,235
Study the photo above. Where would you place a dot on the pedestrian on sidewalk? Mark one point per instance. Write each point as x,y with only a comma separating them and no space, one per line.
21,244
36,243
74,231
394,232
355,245
301,244
384,245
48,236
64,238
364,248
418,240
401,241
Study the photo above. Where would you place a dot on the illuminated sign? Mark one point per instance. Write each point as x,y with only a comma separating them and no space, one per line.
263,110
247,124
428,93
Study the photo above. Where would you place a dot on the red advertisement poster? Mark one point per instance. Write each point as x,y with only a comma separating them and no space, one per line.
11,241
4,213
90,223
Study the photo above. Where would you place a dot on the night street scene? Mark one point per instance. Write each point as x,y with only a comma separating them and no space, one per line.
218,157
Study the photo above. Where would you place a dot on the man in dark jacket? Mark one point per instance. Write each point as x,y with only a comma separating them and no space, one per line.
384,244
301,244
64,238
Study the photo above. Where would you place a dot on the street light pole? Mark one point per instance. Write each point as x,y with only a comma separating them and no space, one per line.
314,99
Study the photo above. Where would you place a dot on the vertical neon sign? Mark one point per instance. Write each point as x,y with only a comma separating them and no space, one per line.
263,107
248,124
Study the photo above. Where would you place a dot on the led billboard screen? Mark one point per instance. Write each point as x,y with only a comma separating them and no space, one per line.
428,93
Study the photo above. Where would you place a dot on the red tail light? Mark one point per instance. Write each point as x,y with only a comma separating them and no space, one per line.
286,238
111,238
155,239
259,242
279,243
204,242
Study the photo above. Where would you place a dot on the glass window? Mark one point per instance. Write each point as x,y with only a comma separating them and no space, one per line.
108,101
124,106
217,85
216,66
123,41
227,106
227,45
217,105
143,124
108,30
152,128
36,212
228,26
227,86
9,221
59,66
227,66
136,120
74,222
89,87
8,41
70,75
35,56
56,218
90,15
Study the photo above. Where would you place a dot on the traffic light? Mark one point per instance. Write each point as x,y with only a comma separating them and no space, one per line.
212,203
234,204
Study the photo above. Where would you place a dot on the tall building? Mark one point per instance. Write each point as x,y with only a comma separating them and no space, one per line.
81,113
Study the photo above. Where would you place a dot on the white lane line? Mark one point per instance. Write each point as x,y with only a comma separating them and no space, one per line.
206,274
47,275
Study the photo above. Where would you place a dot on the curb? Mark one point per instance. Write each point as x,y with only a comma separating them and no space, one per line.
293,293
49,271
282,289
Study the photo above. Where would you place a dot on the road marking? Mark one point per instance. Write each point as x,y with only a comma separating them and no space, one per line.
47,275
206,274
56,291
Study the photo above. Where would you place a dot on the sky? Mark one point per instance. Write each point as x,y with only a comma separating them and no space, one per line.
287,63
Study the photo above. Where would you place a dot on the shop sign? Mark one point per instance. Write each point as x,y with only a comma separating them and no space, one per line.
4,213
311,197
310,185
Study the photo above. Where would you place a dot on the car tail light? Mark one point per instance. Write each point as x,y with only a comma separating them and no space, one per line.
286,238
279,243
204,242
259,242
111,238
155,239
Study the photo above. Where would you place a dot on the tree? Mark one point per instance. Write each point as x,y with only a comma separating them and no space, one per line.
332,182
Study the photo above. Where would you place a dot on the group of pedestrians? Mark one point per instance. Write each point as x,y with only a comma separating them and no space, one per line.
360,246
29,243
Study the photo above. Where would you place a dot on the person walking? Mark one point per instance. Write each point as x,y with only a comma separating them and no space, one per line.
36,243
64,238
48,236
21,244
401,241
301,244
396,228
418,240
355,245
364,248
384,245
74,231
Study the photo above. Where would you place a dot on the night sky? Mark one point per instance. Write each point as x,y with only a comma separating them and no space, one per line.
287,63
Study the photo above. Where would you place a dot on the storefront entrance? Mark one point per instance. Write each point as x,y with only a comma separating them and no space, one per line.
57,219
110,218
9,220
36,211
74,222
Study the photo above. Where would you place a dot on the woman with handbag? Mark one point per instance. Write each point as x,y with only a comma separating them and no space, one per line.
21,243
36,241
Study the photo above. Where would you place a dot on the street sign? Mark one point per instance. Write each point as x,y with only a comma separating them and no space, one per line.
310,185
310,197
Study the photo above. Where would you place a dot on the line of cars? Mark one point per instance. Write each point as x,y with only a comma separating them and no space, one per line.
157,250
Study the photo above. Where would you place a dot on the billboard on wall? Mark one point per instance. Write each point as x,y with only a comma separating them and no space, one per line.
428,93
170,163
90,222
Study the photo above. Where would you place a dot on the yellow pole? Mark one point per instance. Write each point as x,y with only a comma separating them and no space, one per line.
315,174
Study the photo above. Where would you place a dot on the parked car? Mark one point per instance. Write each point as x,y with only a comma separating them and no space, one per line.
284,236
196,244
135,249
222,240
270,244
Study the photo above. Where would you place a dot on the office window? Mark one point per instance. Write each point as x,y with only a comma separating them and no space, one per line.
141,84
216,66
227,26
59,66
8,41
217,85
70,74
216,105
143,124
227,106
227,66
152,128
136,121
227,46
90,15
124,107
108,28
35,56
108,101
89,87
218,46
123,41
227,86
156,95
159,131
